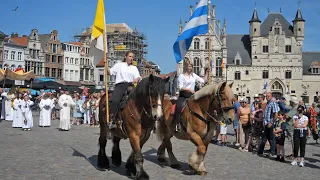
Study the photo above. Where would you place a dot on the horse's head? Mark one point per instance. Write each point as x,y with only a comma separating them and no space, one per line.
224,96
156,95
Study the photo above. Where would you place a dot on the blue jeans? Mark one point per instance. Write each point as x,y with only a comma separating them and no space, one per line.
268,135
236,123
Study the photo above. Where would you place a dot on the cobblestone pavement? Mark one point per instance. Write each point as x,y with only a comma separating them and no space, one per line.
47,153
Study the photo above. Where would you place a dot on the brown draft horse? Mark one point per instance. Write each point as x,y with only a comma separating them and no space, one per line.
203,110
137,120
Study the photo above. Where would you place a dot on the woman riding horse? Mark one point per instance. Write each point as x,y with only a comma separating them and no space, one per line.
137,120
203,110
126,74
186,83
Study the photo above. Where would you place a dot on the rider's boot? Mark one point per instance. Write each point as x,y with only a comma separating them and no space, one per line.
177,125
113,125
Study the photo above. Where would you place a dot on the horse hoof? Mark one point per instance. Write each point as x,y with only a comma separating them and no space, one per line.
142,176
117,164
202,173
161,159
175,166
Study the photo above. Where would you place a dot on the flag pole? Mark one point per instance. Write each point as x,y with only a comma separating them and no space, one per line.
106,71
209,43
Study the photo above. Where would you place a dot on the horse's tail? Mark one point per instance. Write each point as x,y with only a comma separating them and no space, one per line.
102,115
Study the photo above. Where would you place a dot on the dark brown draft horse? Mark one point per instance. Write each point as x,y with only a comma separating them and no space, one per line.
199,117
143,108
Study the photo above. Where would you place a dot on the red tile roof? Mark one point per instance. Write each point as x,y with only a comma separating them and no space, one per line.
101,63
22,41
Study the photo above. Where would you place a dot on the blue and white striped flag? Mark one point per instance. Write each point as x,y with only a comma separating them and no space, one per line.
198,24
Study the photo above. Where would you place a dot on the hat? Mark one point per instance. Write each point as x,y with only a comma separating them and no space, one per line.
244,100
294,99
256,96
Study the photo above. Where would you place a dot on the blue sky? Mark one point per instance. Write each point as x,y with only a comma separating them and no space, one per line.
158,19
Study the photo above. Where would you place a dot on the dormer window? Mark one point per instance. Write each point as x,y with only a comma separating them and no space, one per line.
315,67
237,59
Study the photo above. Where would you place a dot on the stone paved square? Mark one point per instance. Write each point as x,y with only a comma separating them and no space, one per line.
47,153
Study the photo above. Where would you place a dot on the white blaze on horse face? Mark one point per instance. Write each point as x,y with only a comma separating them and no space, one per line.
157,110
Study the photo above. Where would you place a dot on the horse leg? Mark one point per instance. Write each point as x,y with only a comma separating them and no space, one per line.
116,153
161,152
131,165
196,158
138,158
202,168
173,162
103,161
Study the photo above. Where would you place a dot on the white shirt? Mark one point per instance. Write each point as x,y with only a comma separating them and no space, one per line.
189,82
124,72
301,120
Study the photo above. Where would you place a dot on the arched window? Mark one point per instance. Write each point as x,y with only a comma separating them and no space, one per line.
276,85
196,65
13,67
196,44
206,44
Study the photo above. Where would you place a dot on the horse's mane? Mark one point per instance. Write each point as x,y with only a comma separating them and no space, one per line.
206,91
141,91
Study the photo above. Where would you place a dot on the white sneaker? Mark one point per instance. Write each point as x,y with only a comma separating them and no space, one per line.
301,164
294,163
237,144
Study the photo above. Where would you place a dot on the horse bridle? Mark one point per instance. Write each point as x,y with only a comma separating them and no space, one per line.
223,110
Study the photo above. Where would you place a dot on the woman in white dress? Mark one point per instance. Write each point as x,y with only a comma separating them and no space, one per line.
186,84
27,113
9,105
17,115
46,105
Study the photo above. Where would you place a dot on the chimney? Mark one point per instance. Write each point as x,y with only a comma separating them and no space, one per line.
24,36
191,10
16,35
12,35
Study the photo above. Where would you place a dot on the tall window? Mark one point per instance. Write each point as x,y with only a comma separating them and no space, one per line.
206,44
265,74
6,54
19,56
219,67
288,75
59,59
59,73
66,74
196,44
288,48
276,31
47,58
13,54
237,75
196,65
47,72
66,60
53,72
265,49
54,58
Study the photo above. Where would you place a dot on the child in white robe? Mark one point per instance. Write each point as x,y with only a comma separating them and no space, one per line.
27,113
18,116
46,105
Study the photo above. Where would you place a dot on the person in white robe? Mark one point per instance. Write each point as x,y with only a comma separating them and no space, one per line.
38,99
46,105
18,116
27,113
65,102
9,106
3,99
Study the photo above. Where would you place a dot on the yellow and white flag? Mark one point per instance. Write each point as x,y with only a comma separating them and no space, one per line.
97,33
